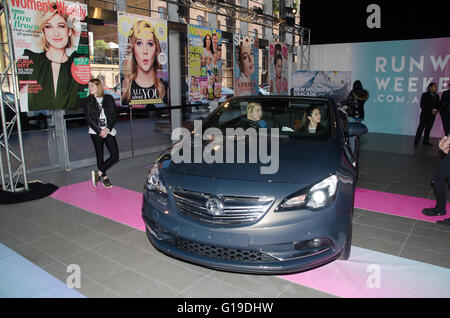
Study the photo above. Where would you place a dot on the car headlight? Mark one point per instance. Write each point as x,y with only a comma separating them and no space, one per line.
154,183
318,196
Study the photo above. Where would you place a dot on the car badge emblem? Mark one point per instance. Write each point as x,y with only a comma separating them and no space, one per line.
214,206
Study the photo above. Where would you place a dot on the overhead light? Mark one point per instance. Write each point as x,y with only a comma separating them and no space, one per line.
291,10
97,13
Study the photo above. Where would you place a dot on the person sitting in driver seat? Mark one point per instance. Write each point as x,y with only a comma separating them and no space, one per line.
255,113
311,121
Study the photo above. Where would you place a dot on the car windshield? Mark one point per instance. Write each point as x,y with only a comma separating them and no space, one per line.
296,117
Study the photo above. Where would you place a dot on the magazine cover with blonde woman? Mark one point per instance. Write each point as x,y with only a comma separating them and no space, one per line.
143,55
51,50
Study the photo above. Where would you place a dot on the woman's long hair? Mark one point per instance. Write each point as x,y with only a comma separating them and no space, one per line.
250,107
98,83
210,43
238,57
305,119
130,67
275,60
357,85
359,92
44,16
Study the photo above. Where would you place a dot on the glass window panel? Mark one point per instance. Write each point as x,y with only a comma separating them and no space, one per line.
39,150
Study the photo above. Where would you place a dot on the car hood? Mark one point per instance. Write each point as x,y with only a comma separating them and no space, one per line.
300,161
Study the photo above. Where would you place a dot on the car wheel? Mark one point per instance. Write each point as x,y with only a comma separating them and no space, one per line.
345,253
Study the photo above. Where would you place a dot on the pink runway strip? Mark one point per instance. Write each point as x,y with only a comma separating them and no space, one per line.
366,274
396,204
370,274
118,204
112,202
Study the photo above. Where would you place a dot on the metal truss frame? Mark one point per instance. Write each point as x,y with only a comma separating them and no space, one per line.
304,48
221,7
10,179
258,17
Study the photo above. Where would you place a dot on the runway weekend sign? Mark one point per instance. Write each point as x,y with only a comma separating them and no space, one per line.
396,74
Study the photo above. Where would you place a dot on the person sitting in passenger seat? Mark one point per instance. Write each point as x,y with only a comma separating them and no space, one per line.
255,113
311,121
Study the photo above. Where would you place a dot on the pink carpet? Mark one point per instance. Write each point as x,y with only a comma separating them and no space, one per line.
118,204
370,274
396,204
367,273
124,205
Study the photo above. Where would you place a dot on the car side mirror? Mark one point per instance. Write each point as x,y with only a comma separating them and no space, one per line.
356,129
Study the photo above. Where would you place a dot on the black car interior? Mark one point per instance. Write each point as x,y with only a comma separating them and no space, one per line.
276,113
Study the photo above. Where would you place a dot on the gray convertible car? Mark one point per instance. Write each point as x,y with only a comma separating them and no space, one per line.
229,215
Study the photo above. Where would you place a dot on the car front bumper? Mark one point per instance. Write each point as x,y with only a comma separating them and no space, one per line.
269,246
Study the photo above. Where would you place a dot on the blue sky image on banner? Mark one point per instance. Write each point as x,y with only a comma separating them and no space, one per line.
333,84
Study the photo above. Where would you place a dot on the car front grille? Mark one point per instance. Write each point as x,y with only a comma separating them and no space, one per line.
236,209
222,253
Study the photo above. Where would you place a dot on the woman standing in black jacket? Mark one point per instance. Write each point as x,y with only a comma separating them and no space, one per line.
356,100
100,113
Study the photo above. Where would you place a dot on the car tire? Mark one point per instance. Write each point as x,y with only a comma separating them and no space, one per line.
345,253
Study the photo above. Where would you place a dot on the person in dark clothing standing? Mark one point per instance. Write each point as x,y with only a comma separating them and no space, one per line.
356,100
445,110
429,102
438,182
100,113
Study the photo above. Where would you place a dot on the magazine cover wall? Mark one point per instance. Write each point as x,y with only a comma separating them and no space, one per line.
143,58
278,69
332,84
246,71
51,50
205,64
